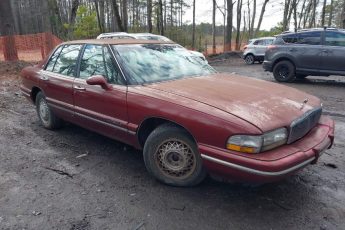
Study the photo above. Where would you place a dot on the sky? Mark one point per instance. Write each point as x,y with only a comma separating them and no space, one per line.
273,13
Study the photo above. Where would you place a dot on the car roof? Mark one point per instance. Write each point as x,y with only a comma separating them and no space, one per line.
117,41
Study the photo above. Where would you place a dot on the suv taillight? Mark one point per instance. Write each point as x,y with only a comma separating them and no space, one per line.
271,47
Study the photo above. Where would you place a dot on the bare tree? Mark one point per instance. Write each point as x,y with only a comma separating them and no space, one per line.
343,16
285,15
261,17
125,15
7,29
330,14
238,24
323,13
251,29
214,27
149,15
229,25
75,5
117,15
193,30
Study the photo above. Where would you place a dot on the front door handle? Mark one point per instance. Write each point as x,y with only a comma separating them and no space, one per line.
77,87
44,78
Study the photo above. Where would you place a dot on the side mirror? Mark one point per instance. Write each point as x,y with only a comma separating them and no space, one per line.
98,80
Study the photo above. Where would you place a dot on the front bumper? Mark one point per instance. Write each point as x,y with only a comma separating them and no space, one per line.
272,165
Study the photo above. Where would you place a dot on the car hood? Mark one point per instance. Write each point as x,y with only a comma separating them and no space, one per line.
264,104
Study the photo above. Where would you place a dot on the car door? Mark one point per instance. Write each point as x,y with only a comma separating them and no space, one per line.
260,47
307,51
333,56
56,80
98,109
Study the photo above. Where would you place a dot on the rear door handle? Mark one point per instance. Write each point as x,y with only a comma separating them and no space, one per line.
77,87
325,51
293,49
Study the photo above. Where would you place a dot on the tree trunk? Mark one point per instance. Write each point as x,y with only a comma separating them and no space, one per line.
117,15
125,15
98,17
7,31
251,30
214,27
193,30
230,6
149,15
160,14
323,13
238,24
285,15
343,16
261,17
301,14
330,18
75,5
295,14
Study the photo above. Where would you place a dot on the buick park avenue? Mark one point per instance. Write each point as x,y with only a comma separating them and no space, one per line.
188,120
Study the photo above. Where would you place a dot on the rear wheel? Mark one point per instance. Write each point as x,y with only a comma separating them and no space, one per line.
249,59
172,156
46,116
284,71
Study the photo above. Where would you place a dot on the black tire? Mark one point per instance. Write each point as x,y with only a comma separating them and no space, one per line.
169,164
45,114
249,59
301,76
284,71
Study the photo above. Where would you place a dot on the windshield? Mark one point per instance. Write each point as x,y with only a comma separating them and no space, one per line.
148,63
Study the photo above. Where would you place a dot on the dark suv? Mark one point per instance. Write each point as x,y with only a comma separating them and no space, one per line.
318,52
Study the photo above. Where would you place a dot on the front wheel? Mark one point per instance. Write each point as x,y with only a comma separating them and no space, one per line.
249,59
284,71
172,157
45,114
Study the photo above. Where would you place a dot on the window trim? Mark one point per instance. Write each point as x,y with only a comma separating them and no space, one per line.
51,56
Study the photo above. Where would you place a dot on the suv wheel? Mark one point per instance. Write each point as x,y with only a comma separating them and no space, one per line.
249,59
284,71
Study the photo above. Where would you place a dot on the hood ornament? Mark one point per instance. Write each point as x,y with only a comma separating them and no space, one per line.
304,103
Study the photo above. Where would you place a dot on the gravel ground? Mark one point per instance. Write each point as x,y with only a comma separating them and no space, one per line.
75,179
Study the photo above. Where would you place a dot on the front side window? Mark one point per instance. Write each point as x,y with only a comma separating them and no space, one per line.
67,61
335,39
53,58
289,38
148,63
96,60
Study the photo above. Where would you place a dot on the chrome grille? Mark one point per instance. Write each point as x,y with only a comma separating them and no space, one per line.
302,125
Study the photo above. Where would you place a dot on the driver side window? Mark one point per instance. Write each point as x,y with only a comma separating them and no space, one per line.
96,60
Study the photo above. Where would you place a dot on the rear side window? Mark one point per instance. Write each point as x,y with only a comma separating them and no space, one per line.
67,61
53,58
260,42
309,38
335,39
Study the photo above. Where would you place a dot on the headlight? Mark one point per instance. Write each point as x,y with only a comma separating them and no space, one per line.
256,144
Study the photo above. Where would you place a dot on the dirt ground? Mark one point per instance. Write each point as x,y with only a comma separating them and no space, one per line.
75,179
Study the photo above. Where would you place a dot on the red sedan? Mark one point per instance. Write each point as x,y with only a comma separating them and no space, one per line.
187,118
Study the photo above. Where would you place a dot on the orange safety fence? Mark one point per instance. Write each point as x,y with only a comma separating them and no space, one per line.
31,47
